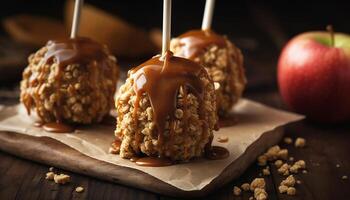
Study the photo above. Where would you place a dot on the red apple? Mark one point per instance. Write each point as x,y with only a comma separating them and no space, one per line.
314,76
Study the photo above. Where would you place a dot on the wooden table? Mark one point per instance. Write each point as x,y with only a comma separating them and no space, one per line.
326,147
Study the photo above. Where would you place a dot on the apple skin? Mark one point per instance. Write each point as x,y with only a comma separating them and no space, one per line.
314,76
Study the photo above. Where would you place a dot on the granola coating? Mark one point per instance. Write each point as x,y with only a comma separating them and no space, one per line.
225,66
82,93
192,129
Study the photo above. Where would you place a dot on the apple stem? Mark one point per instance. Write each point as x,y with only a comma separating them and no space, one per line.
331,32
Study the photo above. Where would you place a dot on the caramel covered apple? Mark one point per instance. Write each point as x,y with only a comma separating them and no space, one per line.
220,57
70,81
166,109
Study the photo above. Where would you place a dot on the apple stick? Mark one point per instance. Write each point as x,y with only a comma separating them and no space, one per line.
76,18
208,14
331,32
166,26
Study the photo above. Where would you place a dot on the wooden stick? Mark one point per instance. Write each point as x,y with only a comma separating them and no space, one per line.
76,18
208,14
166,26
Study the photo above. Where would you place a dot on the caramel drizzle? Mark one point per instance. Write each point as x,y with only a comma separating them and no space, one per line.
64,52
161,78
195,42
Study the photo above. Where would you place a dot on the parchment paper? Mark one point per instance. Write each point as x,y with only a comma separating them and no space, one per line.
253,120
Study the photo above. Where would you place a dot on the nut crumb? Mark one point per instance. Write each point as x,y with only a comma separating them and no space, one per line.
300,142
262,160
284,169
298,182
304,171
51,169
260,194
50,175
79,189
222,139
289,181
236,191
61,178
266,171
291,158
278,163
282,189
257,183
291,191
337,165
245,187
288,140
344,177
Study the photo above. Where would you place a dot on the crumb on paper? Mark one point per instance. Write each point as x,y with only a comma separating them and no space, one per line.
288,140
50,175
337,165
245,186
291,191
257,183
61,178
298,182
51,169
291,158
300,142
304,171
266,171
222,139
344,177
278,163
260,194
236,191
79,189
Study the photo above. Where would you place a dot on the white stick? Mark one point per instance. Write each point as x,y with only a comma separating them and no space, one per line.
76,18
166,26
208,14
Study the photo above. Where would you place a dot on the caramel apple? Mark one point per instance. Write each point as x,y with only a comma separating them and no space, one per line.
220,57
166,109
70,81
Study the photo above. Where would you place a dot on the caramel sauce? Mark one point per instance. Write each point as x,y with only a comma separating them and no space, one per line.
153,162
161,79
57,128
196,41
216,153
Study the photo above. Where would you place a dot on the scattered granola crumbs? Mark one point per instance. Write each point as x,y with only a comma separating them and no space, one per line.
291,191
289,181
222,139
288,140
61,178
262,160
344,177
257,183
50,175
284,169
291,158
51,169
79,189
300,142
245,186
278,163
337,165
266,171
283,154
304,171
236,191
282,189
260,194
